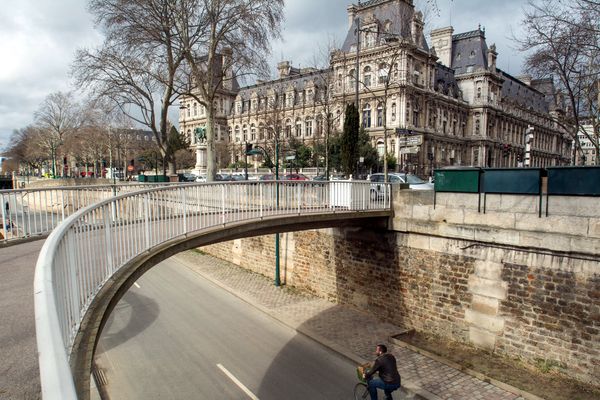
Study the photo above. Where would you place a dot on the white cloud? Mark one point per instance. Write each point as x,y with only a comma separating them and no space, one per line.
38,39
37,43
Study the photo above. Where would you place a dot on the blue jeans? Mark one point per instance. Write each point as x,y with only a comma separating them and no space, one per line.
377,383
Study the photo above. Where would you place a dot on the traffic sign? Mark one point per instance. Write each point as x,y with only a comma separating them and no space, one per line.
409,141
409,150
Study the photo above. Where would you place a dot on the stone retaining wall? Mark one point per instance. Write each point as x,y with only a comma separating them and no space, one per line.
506,281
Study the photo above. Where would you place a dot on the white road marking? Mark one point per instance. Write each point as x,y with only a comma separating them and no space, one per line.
136,285
237,382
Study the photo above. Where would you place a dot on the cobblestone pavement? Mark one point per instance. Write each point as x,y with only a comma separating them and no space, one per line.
350,332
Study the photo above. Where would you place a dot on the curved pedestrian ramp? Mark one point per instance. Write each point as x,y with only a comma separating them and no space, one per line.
90,259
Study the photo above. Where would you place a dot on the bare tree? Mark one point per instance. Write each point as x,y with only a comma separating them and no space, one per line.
59,117
330,112
563,45
24,149
223,39
137,65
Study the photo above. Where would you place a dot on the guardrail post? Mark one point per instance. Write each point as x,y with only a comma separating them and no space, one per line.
223,203
261,194
4,219
108,239
62,204
147,218
184,211
73,281
298,194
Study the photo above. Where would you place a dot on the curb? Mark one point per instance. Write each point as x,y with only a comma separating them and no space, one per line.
468,371
409,386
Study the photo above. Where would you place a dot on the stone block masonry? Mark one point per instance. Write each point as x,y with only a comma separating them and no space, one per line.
533,303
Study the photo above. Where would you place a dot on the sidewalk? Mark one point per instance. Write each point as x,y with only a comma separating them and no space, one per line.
347,331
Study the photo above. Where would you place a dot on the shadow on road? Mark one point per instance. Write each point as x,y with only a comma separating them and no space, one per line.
132,304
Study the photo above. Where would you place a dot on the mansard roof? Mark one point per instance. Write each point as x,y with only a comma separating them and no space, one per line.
469,52
298,81
398,13
445,81
522,94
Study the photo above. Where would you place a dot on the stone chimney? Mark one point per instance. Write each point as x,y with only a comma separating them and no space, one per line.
227,66
492,55
417,28
441,39
526,79
351,15
284,69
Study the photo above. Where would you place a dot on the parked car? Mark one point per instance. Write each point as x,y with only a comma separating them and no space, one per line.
414,182
295,177
238,177
201,178
267,177
223,177
187,177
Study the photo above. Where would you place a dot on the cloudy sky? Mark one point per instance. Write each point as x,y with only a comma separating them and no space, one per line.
38,39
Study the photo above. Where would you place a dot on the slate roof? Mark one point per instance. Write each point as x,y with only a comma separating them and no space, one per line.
298,81
445,81
399,14
469,52
520,93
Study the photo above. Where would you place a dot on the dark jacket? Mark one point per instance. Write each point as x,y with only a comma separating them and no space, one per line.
385,364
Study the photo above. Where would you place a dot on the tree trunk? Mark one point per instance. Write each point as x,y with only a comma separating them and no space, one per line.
211,160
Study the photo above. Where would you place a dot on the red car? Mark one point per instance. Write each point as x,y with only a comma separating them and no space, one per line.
295,177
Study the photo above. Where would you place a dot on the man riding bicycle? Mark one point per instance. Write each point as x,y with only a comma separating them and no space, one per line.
389,378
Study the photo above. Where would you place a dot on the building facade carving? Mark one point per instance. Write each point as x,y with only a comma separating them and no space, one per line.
437,103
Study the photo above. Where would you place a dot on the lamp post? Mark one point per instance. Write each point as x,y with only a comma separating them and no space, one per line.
259,150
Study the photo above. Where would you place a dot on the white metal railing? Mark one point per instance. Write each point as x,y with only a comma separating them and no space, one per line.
34,212
82,253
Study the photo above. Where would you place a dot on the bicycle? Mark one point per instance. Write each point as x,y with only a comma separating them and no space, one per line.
360,389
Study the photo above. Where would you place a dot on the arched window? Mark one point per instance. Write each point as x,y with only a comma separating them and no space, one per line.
298,127
319,126
379,114
245,133
380,148
383,73
393,112
195,109
416,110
308,127
367,76
351,78
288,128
237,134
188,110
252,132
261,132
367,116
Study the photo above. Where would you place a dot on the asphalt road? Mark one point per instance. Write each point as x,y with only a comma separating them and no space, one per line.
19,373
175,335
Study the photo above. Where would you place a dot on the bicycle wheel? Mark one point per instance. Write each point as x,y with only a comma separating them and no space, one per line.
361,392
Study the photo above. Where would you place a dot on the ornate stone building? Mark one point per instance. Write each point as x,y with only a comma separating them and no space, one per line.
432,105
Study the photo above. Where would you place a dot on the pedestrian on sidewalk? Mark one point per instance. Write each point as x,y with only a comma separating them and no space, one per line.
389,378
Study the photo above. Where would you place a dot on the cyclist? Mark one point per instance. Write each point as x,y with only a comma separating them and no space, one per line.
389,378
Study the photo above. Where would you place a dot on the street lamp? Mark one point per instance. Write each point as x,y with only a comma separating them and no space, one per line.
260,150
